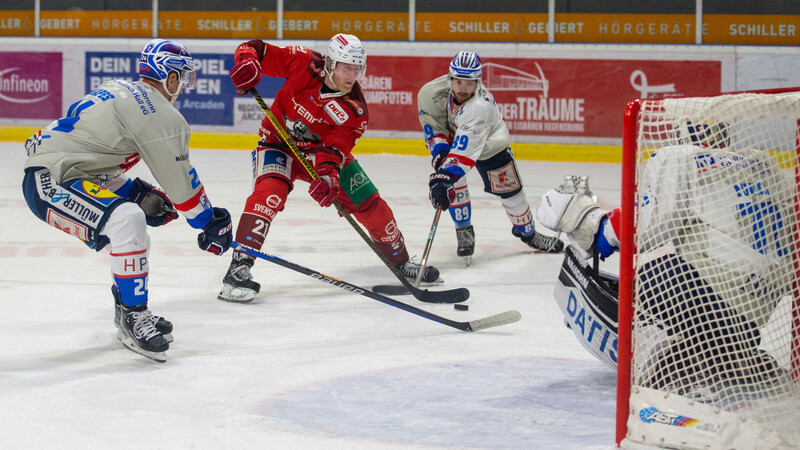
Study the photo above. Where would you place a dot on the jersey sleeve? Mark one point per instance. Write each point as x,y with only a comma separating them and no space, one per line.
282,62
433,119
167,157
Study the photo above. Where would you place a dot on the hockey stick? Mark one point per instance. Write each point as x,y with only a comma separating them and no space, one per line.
474,325
450,296
427,251
391,289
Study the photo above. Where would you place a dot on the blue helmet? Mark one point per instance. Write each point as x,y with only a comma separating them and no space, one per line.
160,57
466,65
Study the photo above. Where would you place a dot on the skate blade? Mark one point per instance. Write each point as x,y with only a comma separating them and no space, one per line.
167,337
233,294
467,260
159,357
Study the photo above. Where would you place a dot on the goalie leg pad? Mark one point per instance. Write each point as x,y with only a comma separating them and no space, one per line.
590,306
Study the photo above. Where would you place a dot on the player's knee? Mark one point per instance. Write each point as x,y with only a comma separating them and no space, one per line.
126,228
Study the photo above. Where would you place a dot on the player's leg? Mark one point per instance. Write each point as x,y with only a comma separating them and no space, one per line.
360,198
273,175
100,218
126,230
500,178
461,213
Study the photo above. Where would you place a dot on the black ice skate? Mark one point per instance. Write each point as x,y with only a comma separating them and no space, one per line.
466,243
540,242
238,285
410,270
163,325
139,333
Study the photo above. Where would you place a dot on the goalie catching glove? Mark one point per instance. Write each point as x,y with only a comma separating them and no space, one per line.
326,188
157,207
572,212
217,235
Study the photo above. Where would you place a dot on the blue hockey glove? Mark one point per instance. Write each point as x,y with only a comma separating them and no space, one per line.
217,235
441,189
154,202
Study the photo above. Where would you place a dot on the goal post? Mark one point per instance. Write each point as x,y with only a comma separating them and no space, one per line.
709,267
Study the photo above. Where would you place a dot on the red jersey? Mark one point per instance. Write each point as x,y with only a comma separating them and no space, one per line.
328,124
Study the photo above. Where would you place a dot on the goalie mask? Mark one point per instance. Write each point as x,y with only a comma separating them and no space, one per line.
160,57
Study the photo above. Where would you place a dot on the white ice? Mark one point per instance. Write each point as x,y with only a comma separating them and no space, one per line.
306,365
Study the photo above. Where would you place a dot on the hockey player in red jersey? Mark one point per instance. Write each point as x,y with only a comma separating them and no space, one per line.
321,105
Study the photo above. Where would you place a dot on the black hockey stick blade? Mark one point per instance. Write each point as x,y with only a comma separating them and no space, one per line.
456,295
475,325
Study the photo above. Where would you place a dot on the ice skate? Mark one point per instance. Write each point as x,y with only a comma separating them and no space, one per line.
466,243
238,285
163,325
540,242
139,333
410,269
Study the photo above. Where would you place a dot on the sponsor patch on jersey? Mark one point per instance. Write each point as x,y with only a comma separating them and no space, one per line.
96,191
337,113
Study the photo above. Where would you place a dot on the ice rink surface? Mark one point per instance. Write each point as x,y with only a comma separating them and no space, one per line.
306,365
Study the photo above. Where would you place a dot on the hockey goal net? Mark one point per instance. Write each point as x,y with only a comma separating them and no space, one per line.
708,320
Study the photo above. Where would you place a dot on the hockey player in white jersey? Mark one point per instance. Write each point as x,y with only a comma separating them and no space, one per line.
736,223
75,181
464,129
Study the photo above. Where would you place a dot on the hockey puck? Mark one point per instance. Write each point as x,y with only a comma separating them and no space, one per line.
461,307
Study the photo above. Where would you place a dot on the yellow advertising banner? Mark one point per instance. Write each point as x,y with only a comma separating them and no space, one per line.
627,28
481,27
17,23
218,24
750,29
96,23
365,25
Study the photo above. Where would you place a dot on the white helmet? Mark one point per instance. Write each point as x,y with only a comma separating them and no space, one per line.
346,48
467,66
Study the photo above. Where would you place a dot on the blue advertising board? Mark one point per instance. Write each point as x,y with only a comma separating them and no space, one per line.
210,102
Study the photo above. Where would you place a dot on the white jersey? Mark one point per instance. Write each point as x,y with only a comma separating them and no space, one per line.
474,130
723,213
111,129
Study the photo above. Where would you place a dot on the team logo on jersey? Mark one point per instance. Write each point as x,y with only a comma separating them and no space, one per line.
299,130
337,113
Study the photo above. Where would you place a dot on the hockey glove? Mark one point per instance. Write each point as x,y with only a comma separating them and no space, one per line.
441,189
217,235
154,202
246,73
326,188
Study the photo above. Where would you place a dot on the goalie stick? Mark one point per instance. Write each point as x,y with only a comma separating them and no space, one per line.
474,325
457,295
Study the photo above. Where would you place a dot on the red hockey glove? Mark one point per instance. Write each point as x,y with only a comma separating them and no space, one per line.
157,207
326,188
246,73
